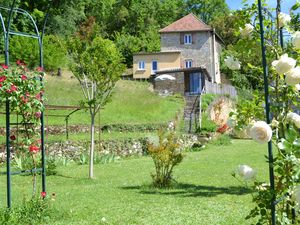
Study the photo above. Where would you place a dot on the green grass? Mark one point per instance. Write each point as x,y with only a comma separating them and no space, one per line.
206,192
131,103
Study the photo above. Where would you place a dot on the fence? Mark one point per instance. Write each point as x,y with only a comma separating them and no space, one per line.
222,89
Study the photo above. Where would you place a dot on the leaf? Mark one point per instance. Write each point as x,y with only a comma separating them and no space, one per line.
297,142
291,134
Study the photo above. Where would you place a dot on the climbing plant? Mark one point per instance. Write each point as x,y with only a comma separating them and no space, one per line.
22,88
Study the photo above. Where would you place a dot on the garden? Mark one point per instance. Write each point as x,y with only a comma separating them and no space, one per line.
86,147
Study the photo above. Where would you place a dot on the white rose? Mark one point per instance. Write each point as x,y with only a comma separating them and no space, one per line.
296,40
261,132
247,30
293,76
294,118
171,126
283,19
246,172
297,87
297,121
274,123
284,64
290,116
232,63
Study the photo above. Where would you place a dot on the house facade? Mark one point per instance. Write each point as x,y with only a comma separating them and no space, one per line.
188,47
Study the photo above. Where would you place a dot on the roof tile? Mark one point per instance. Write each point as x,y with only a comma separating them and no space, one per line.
187,23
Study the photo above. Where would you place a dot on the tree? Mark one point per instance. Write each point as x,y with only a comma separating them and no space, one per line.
97,65
207,10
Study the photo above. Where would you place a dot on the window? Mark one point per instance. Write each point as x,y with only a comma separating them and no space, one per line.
188,63
141,65
188,39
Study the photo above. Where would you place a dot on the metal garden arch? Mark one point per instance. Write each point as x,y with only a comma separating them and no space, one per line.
6,35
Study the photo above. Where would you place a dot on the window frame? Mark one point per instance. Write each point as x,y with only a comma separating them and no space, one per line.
188,63
188,39
141,65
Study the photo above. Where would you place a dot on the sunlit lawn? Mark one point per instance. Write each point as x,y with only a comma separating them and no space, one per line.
206,192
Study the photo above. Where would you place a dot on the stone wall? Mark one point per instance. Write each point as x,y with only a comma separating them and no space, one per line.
174,86
200,52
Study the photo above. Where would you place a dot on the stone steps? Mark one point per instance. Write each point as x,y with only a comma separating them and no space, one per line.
191,113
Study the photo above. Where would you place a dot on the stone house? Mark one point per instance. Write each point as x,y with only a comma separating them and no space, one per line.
190,52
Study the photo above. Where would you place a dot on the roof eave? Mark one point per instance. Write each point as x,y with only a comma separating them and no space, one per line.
182,31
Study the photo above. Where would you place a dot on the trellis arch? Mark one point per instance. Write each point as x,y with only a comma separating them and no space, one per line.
39,36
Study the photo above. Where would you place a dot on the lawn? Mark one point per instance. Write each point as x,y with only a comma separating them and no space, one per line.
206,192
132,103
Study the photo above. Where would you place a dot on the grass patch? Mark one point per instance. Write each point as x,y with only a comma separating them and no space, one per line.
131,103
205,194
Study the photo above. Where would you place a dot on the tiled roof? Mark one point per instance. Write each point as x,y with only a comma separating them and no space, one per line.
187,23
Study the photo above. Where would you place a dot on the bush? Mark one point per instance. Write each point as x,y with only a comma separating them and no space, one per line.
165,154
34,211
207,125
27,50
223,139
206,100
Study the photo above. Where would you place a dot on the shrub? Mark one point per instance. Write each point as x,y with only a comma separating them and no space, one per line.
27,50
223,139
34,211
207,125
206,100
165,154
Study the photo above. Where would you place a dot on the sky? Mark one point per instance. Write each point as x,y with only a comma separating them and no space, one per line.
285,4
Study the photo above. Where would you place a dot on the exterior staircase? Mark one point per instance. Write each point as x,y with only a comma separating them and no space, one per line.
191,113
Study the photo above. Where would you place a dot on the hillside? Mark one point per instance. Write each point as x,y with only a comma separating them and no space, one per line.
131,103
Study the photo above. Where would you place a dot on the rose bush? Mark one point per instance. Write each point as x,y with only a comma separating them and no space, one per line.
23,90
283,85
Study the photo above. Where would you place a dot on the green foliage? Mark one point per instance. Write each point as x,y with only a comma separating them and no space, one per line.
33,211
207,10
206,100
226,26
247,111
222,140
207,125
27,50
165,154
203,177
98,63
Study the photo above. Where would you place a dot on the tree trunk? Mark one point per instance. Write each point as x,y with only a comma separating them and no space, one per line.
91,169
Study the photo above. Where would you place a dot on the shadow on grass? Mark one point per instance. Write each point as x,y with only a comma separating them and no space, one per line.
191,190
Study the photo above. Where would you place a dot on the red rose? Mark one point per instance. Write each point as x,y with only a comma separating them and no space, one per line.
23,77
2,78
24,100
43,194
38,96
38,114
13,88
40,69
34,149
0,85
13,137
4,66
20,63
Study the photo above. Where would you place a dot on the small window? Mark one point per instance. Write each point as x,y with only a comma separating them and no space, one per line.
141,65
188,39
188,63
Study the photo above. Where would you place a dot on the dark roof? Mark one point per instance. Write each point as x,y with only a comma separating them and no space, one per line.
192,69
187,23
